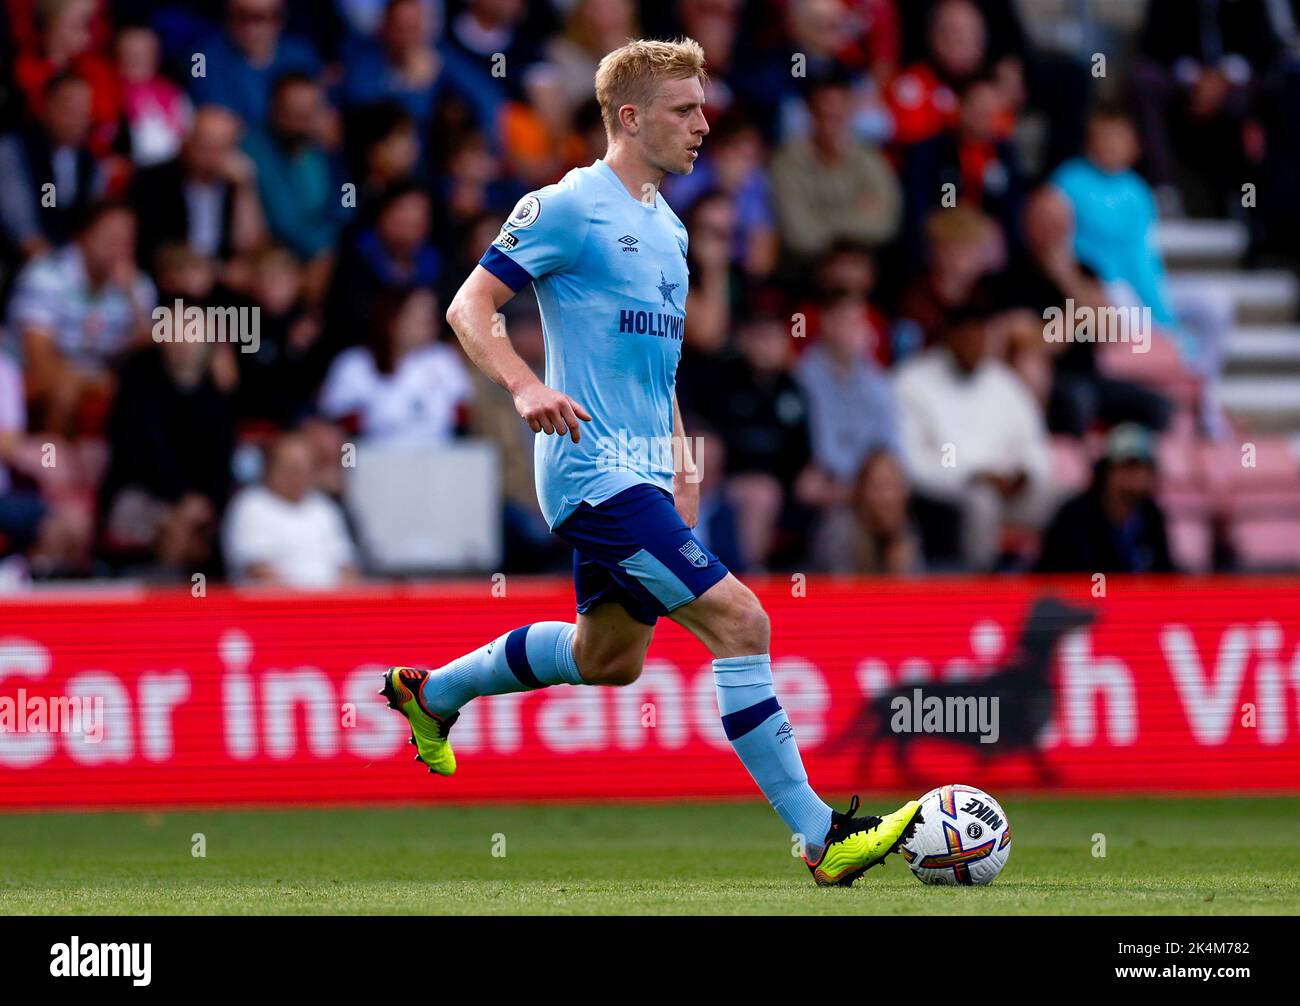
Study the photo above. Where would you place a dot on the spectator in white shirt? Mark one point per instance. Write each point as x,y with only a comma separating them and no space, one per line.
405,386
974,438
286,532
74,312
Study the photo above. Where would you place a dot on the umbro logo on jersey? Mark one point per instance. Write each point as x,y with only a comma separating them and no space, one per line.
628,242
695,554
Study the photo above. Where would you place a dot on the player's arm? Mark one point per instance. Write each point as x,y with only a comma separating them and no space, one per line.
686,482
474,315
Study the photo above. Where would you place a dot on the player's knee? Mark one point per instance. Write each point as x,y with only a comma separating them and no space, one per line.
611,667
758,629
749,628
625,671
621,669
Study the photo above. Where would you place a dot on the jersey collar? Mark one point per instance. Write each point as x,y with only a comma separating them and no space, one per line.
610,176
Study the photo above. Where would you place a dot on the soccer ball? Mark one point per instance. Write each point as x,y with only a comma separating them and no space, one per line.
965,837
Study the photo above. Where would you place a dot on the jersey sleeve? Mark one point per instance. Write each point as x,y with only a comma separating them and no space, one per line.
543,234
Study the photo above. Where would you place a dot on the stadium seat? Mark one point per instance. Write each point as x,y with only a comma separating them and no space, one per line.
1275,465
1190,543
1071,465
1179,463
1267,543
426,509
1188,502
1160,368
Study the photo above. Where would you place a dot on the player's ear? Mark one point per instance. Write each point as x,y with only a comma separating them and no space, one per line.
629,117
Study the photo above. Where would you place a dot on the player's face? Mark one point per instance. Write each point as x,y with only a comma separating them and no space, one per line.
674,126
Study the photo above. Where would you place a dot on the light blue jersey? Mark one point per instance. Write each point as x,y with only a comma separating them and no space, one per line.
610,276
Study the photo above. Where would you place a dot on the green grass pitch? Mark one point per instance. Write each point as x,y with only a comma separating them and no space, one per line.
1163,856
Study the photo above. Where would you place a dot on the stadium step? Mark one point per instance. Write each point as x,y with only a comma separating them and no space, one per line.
1265,296
1202,242
1264,403
1269,349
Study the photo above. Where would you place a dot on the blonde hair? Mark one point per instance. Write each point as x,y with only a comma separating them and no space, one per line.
956,225
629,75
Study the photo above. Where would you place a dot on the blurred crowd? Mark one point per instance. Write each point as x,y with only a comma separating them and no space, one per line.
892,197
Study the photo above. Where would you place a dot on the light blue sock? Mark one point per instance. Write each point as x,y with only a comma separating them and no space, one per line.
760,732
532,656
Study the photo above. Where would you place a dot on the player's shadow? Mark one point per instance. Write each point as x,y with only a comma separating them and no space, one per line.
1023,687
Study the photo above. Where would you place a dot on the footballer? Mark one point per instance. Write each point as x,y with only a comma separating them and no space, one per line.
606,258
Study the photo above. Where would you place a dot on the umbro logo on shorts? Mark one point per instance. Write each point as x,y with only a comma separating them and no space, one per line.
695,554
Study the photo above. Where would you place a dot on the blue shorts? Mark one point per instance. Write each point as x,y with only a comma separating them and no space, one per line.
635,549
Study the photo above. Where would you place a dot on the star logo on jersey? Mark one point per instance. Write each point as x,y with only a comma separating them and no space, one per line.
666,291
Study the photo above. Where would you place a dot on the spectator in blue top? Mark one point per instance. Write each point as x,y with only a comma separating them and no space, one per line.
294,174
1115,218
499,38
395,252
248,57
1115,212
402,64
851,406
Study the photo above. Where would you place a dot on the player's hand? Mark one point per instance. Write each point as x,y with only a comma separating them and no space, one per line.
546,410
686,498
